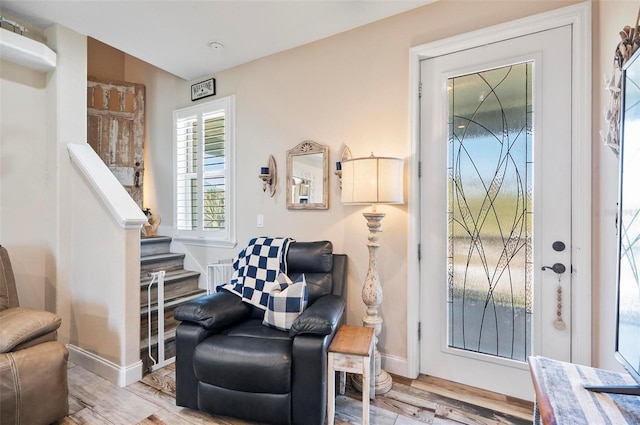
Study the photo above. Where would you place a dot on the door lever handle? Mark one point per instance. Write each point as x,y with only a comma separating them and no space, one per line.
558,268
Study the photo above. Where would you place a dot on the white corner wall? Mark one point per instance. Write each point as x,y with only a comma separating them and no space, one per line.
610,17
105,281
72,251
96,259
23,210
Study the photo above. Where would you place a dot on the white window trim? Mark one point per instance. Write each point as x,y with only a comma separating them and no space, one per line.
225,239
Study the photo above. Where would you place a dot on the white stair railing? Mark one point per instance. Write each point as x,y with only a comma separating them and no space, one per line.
161,361
217,274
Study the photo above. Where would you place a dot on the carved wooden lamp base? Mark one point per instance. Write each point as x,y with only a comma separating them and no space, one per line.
372,297
383,382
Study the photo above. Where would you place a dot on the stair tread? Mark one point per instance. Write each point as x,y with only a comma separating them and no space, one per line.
147,259
171,302
169,335
171,276
156,250
155,239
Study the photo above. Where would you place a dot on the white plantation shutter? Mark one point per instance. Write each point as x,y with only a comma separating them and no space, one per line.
214,178
203,178
186,174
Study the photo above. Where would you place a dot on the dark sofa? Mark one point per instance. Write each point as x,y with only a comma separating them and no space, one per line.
228,363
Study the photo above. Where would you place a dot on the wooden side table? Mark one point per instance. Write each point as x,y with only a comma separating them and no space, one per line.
351,351
562,399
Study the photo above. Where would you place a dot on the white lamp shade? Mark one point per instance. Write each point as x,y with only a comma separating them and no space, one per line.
373,180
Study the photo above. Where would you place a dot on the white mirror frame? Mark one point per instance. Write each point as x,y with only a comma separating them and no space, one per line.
308,148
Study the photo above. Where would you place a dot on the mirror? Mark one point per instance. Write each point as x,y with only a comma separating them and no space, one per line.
307,181
628,320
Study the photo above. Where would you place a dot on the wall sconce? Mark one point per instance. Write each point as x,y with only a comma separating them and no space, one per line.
269,176
346,154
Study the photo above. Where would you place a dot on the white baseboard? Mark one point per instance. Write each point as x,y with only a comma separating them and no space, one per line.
120,376
394,364
123,376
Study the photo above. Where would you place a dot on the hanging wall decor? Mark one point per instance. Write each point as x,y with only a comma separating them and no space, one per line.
203,89
624,50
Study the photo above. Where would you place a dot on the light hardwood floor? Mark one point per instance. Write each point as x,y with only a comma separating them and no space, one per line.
426,400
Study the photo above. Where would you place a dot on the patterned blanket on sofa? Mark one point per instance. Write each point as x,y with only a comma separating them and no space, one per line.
256,269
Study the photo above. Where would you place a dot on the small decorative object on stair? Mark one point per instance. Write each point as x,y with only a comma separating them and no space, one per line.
150,229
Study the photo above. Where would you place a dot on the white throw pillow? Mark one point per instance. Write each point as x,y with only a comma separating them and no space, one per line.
287,300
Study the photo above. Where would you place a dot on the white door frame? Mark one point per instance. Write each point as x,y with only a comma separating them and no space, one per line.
579,17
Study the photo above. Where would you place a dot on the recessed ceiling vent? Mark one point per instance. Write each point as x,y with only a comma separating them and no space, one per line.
215,45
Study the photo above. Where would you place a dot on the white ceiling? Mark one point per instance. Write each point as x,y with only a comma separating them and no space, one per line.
174,35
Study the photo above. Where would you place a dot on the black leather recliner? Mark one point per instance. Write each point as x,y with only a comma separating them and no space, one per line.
228,363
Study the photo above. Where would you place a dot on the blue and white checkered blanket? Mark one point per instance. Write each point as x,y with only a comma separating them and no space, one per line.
256,269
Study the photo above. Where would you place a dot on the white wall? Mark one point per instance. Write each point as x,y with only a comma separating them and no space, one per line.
66,110
610,17
97,266
23,211
105,286
69,256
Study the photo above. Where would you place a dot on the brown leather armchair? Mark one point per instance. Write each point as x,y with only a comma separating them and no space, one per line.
33,364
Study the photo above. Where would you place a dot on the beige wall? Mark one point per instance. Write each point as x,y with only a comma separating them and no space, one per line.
347,90
104,62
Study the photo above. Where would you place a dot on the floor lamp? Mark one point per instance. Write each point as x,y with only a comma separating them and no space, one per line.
373,180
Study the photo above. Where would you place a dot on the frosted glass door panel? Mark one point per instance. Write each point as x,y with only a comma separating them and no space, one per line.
489,211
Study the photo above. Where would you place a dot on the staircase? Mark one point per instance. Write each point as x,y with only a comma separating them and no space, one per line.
180,286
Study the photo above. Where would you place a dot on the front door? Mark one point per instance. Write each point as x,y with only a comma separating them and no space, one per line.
115,130
496,210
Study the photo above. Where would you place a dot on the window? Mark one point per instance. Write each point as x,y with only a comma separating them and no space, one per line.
204,197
